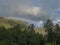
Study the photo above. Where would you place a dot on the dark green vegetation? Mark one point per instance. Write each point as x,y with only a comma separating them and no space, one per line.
15,36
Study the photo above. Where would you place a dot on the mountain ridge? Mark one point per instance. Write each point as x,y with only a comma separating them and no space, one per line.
10,22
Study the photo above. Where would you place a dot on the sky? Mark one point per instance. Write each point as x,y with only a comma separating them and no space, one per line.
32,10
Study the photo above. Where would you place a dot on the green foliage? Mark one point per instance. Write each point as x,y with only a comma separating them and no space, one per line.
15,36
53,36
49,27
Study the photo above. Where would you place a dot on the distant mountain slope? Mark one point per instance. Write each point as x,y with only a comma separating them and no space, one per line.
10,22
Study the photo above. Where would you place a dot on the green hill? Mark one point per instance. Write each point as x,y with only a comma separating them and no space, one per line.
10,23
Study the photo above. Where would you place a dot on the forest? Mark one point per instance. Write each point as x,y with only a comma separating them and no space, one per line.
15,35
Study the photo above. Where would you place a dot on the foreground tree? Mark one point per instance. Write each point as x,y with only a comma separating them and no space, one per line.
49,28
57,34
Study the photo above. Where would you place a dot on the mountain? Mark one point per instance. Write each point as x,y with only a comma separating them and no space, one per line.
10,22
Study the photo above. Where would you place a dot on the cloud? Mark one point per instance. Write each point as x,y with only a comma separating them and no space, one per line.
31,10
40,24
34,10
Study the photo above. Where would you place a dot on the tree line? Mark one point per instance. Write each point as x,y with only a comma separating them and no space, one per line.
15,36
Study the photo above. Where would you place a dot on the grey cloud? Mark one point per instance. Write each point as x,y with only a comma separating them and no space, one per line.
13,8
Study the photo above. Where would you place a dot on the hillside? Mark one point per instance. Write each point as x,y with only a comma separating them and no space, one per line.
18,35
9,22
40,31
